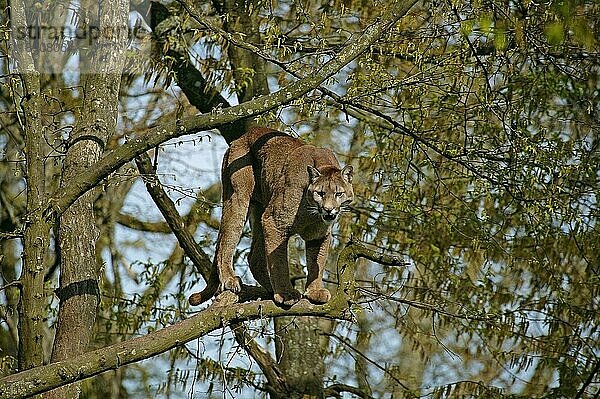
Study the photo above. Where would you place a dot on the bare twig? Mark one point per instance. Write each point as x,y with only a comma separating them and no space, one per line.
16,283
10,235
368,359
588,381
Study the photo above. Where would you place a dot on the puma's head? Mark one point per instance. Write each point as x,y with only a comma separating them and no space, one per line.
329,191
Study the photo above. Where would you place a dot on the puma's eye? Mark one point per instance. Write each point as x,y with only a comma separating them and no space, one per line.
320,193
339,194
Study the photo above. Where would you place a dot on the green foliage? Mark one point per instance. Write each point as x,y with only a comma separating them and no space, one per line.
473,129
500,171
479,158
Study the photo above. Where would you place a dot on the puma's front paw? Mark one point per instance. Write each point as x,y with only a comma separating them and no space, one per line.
287,298
318,295
231,283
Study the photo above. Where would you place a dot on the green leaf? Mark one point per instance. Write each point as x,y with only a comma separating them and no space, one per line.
555,33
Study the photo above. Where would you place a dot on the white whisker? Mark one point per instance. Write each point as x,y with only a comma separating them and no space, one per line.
312,210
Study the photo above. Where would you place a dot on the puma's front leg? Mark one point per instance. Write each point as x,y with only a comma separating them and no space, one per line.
316,257
276,243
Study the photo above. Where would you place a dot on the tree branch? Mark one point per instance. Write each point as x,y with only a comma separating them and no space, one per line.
159,134
44,378
188,78
184,236
16,283
337,390
169,211
134,223
10,235
588,381
347,344
197,214
266,363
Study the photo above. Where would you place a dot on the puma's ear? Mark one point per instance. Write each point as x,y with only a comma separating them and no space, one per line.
313,173
347,173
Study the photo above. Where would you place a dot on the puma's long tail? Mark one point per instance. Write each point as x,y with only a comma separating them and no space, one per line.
208,292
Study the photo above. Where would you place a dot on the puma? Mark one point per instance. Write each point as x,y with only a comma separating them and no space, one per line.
285,187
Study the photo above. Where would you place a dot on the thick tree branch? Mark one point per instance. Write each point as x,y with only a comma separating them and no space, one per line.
44,378
155,136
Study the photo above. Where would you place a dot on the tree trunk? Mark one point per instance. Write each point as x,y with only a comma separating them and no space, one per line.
248,69
79,293
300,347
301,352
32,304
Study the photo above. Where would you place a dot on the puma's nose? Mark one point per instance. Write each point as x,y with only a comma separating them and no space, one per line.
329,213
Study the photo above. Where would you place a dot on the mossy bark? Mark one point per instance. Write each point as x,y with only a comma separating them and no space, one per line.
32,303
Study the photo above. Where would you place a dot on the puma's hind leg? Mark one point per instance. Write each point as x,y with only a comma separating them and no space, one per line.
238,184
257,258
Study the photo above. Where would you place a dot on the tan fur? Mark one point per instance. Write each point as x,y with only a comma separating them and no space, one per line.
285,187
